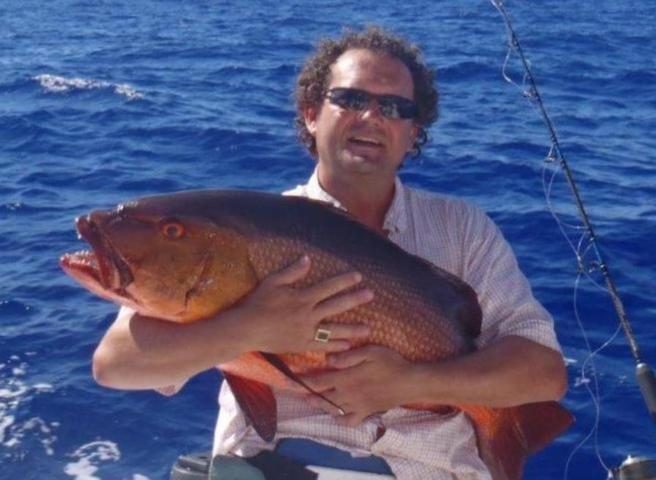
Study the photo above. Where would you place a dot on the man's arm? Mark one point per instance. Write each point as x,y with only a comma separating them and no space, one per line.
517,361
508,372
142,353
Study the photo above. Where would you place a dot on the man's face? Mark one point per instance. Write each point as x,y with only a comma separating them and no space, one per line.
363,142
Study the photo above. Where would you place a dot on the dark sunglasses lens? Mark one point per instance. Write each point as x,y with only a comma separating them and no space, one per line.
350,99
391,106
397,107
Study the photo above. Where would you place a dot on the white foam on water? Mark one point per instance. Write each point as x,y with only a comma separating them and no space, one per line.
89,457
59,84
6,421
127,91
12,442
11,392
43,431
15,393
82,470
43,387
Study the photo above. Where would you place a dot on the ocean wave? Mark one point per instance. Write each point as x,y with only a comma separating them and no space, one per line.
57,84
15,392
91,456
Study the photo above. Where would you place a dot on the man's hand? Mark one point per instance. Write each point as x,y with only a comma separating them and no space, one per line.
372,379
280,318
369,380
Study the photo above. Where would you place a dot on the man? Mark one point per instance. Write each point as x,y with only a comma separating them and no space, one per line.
363,104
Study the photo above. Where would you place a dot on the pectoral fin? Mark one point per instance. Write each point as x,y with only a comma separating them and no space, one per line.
283,368
257,402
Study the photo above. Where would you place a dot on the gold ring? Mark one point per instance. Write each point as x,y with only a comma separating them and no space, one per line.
322,335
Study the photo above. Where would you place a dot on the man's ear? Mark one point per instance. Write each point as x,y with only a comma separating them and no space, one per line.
414,132
310,117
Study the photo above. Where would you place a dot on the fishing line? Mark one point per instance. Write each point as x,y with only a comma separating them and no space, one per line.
594,392
534,95
552,159
587,245
551,170
585,381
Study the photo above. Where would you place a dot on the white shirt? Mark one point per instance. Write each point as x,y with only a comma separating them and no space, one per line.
461,239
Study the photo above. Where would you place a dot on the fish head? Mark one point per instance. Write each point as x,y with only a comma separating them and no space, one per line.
161,260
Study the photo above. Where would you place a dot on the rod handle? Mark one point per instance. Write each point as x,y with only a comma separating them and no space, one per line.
647,383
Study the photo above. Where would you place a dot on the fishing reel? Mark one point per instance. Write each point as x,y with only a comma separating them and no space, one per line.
640,468
634,468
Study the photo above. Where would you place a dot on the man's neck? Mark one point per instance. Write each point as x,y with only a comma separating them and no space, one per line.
367,199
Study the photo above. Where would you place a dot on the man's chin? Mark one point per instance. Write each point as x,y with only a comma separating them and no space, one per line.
363,163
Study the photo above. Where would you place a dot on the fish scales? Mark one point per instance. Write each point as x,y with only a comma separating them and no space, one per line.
397,317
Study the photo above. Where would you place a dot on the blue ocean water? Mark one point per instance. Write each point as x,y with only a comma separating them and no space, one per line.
108,100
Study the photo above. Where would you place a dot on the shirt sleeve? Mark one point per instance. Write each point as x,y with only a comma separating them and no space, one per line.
505,296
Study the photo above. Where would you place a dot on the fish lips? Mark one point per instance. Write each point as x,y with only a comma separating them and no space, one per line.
103,264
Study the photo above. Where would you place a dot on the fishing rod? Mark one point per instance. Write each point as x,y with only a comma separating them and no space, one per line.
632,468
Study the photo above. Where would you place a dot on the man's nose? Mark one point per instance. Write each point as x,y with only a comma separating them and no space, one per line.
372,111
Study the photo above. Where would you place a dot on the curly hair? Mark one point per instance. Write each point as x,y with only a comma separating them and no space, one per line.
314,78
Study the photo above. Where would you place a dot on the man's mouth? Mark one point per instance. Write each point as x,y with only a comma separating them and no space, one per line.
365,141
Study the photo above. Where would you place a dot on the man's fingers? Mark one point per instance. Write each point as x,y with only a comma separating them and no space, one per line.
345,331
331,346
318,402
341,337
341,412
332,406
319,382
352,357
348,358
344,302
292,273
333,285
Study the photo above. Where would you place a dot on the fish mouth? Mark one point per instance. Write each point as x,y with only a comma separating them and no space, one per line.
102,265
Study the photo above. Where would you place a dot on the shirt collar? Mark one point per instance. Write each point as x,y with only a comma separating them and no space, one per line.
396,218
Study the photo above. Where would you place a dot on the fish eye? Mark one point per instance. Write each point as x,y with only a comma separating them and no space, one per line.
172,229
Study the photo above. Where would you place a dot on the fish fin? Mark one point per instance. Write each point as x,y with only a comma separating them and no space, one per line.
258,403
277,362
506,436
542,422
282,367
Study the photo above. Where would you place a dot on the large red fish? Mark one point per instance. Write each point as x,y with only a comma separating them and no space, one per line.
187,256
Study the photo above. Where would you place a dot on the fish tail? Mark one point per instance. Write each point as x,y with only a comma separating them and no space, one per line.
506,436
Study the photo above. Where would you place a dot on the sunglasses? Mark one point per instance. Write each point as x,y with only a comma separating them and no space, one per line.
390,106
